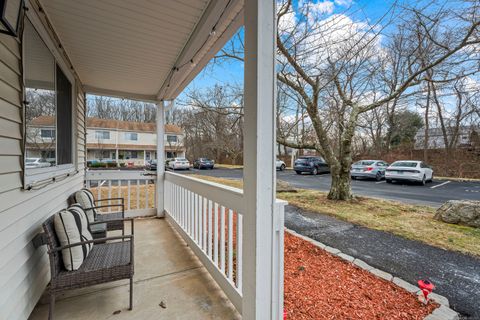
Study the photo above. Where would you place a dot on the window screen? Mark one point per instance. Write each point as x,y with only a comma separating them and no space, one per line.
64,118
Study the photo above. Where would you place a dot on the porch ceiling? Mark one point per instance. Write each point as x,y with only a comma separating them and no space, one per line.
129,48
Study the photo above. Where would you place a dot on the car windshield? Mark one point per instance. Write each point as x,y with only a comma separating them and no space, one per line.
30,160
404,164
181,159
364,163
303,160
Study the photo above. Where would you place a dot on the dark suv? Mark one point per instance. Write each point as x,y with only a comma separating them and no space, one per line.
203,163
312,165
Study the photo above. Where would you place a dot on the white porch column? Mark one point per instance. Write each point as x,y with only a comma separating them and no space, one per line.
160,157
259,160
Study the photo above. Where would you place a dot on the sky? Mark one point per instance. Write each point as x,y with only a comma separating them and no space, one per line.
232,71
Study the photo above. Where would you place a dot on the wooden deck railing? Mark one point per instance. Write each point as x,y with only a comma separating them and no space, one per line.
209,216
137,188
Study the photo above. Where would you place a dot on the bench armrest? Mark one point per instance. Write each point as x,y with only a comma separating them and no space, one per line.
101,240
110,199
119,205
116,220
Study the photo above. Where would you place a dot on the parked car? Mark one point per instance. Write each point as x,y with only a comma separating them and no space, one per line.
151,165
280,165
179,163
312,165
409,170
203,163
31,163
374,169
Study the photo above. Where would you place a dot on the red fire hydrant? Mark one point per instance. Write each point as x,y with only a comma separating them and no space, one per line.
426,287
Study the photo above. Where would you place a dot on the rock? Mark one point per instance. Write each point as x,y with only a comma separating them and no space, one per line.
462,212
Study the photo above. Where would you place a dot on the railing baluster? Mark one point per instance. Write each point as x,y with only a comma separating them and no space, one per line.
109,194
200,224
189,212
146,194
239,251
222,239
138,194
205,224
230,244
128,195
210,227
215,235
99,194
195,212
119,191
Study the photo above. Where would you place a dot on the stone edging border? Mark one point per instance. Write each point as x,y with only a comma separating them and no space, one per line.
444,312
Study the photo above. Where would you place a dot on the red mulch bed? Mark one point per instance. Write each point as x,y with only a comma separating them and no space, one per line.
319,285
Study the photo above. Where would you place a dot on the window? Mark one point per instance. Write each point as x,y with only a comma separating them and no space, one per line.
102,135
47,133
131,136
131,155
49,96
171,139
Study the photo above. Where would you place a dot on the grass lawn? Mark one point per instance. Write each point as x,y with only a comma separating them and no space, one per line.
410,221
229,166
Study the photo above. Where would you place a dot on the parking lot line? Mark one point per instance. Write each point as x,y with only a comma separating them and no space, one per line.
441,184
380,182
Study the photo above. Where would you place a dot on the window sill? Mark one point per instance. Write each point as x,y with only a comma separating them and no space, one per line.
44,176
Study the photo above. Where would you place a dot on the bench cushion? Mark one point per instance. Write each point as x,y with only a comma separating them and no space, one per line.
85,199
71,226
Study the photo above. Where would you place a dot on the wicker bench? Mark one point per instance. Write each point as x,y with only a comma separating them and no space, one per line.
110,259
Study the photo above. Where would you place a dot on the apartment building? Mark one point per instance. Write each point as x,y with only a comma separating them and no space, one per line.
127,142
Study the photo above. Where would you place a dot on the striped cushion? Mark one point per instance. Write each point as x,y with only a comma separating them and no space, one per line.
71,226
85,199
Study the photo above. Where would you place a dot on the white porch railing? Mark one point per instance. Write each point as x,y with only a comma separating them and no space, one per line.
137,189
209,217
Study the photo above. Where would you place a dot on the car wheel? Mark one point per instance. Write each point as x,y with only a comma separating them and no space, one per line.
378,176
431,178
315,171
353,178
298,172
424,180
282,167
388,180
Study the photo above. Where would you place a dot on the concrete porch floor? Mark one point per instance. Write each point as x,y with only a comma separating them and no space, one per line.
165,270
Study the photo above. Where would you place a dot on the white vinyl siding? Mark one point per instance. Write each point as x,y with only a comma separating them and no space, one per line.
24,270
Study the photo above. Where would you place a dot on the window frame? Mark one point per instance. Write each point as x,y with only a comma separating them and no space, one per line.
103,132
36,175
127,136
172,135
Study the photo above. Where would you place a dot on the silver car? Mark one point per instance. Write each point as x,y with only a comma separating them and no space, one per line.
373,169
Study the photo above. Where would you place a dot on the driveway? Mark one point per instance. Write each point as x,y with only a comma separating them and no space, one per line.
455,275
433,194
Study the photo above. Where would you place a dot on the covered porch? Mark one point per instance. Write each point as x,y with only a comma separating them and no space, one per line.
216,251
166,270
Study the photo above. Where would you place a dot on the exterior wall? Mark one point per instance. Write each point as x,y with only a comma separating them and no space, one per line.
144,138
149,139
24,270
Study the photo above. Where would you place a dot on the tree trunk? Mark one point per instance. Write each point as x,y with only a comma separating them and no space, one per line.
340,188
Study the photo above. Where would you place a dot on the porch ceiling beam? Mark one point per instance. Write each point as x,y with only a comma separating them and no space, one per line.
120,94
223,16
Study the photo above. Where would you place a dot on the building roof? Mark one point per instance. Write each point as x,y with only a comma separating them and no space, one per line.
112,124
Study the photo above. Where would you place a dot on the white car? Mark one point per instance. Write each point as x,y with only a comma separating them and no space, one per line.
280,165
179,163
31,163
409,170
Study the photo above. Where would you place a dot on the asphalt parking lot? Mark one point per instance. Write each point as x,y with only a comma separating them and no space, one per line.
433,194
